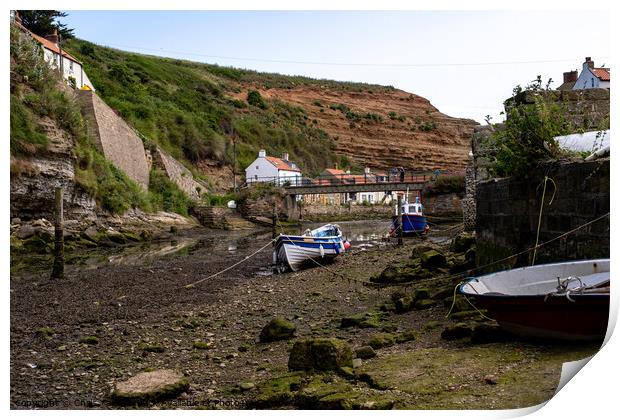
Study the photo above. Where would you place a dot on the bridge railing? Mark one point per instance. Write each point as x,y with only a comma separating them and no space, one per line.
350,179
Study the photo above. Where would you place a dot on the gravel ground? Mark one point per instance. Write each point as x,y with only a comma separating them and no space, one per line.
72,340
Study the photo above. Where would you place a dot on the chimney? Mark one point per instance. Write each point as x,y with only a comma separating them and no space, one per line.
262,153
588,63
285,156
570,76
53,38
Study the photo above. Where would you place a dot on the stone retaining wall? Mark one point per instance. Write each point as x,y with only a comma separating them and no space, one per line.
507,213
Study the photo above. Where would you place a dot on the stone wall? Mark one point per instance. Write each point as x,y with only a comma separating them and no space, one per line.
443,205
507,213
177,173
115,138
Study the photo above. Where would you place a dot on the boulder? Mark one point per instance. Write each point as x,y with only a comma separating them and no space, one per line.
424,303
91,234
432,260
421,294
488,333
419,249
277,329
363,320
149,387
403,304
381,340
462,242
454,332
320,354
365,352
24,231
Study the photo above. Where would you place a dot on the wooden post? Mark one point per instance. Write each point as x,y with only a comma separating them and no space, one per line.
400,220
273,221
58,269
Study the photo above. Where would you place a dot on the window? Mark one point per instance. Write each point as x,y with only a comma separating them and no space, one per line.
256,166
70,65
592,81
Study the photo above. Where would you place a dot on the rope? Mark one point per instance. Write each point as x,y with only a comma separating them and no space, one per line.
456,275
542,203
188,286
468,301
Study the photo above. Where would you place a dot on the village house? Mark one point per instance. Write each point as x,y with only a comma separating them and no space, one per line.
590,78
69,66
279,171
333,176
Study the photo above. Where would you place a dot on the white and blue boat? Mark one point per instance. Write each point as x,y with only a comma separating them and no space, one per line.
414,221
319,245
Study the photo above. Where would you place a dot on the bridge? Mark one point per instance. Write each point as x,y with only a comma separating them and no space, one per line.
348,183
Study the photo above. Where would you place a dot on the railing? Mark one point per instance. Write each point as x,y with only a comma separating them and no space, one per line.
350,179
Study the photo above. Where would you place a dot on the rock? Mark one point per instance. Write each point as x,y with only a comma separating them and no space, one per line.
491,379
320,354
347,372
420,249
401,273
357,363
365,352
381,340
91,234
454,332
277,329
421,294
432,260
424,303
151,386
89,339
246,386
488,333
364,320
16,221
403,304
406,336
24,231
243,348
462,242
460,303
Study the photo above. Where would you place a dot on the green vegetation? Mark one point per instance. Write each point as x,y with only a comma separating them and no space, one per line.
37,93
446,184
187,108
165,195
534,117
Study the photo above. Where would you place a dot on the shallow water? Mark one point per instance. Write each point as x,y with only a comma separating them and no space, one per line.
216,245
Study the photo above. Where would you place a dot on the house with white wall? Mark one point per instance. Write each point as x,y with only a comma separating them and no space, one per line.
593,77
278,171
70,67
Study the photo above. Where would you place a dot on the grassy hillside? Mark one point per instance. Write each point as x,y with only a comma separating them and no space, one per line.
189,108
38,93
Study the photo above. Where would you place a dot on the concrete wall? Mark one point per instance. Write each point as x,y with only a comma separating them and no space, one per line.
507,212
177,173
115,138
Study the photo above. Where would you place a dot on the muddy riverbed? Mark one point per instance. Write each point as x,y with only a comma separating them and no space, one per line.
126,310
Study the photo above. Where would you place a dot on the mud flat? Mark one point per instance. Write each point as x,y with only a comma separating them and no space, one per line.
73,340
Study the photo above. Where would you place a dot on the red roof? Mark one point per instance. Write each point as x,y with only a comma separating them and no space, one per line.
335,171
282,165
50,45
602,73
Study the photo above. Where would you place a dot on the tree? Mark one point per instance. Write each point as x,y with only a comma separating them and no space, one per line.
44,22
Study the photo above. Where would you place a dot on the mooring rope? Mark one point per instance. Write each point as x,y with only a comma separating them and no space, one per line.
231,267
542,203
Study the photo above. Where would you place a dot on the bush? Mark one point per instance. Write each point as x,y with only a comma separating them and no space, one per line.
534,117
255,99
165,195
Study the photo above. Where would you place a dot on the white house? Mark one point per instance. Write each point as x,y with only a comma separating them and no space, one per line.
274,170
592,77
72,70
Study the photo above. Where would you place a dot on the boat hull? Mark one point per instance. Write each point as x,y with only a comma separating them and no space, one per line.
566,301
294,251
413,224
584,319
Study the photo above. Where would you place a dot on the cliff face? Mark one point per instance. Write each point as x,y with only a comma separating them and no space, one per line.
385,128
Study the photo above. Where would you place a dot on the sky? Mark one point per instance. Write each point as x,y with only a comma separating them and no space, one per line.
466,63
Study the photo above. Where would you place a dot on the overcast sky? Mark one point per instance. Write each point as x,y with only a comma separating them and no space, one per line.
465,63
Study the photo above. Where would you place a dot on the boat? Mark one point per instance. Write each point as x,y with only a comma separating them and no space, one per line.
414,221
319,245
565,301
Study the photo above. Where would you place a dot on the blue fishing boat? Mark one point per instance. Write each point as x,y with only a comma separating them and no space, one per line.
321,244
414,221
